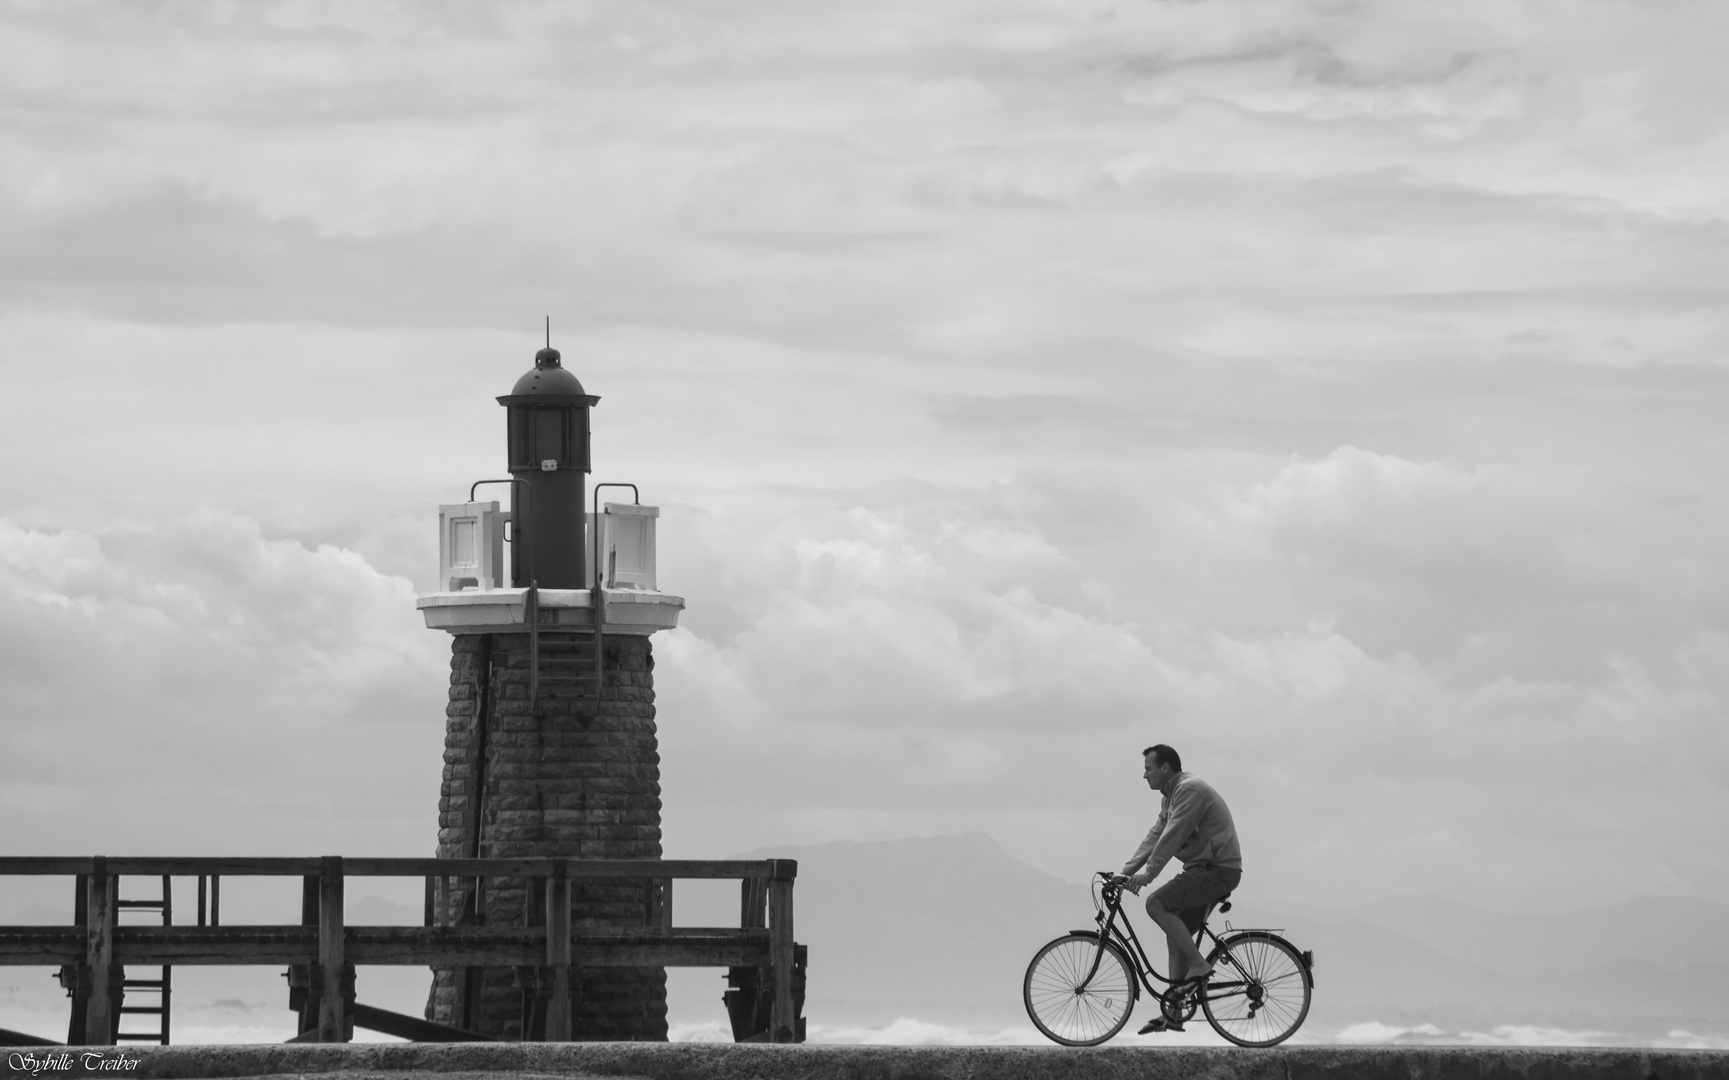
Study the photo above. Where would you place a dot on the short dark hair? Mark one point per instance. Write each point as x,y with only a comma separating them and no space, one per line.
1164,755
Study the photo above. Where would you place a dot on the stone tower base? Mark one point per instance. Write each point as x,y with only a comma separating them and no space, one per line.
571,779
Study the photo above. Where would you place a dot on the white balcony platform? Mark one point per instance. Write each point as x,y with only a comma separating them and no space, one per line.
500,611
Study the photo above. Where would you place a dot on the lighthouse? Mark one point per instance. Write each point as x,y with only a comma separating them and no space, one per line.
550,598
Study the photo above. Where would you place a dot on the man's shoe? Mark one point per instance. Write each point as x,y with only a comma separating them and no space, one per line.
1159,1023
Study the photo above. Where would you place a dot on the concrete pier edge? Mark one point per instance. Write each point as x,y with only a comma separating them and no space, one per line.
712,1061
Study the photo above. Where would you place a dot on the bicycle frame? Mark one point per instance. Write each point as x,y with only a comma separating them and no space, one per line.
1130,942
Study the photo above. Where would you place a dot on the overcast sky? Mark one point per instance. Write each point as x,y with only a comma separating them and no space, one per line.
1335,391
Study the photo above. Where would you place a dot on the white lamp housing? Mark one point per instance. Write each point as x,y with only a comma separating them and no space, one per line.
471,546
626,546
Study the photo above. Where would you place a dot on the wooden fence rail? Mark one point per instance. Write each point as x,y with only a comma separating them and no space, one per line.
93,950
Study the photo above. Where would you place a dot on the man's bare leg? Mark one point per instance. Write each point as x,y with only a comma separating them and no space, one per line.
1186,959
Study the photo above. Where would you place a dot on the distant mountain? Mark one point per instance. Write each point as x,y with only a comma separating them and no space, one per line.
377,911
936,929
363,911
41,915
1669,932
941,930
1369,972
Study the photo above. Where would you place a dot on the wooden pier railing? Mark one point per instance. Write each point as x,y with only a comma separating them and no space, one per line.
93,950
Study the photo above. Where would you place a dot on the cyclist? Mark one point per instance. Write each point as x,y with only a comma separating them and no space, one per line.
1195,826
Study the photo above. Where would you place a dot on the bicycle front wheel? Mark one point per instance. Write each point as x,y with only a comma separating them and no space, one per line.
1259,990
1078,991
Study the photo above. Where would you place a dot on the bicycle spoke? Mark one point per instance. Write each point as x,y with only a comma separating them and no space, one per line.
1269,1002
1069,1006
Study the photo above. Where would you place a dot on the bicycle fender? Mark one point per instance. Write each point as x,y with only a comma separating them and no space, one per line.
1307,956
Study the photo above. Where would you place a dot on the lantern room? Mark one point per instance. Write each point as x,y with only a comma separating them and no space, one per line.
547,441
548,428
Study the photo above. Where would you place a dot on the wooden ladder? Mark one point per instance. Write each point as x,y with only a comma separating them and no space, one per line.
162,986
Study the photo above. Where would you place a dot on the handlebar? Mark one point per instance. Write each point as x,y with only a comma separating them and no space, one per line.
1109,894
1108,884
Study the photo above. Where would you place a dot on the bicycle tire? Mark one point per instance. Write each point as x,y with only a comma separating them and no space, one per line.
1259,996
1061,1008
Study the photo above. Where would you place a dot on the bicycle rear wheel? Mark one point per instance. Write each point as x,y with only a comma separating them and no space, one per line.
1065,1004
1259,990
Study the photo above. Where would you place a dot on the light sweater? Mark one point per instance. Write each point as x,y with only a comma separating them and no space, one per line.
1194,825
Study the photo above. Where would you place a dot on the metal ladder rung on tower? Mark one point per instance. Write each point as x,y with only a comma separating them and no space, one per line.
564,659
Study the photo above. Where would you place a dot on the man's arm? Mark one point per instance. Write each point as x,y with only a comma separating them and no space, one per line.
1140,856
1182,813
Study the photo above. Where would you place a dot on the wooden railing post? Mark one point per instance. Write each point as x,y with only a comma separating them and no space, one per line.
332,1025
74,977
99,956
783,1024
753,904
558,953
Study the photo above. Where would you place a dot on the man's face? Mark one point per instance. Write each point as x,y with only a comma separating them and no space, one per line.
1155,773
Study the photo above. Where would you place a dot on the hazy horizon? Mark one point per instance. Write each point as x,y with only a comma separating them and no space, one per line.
969,916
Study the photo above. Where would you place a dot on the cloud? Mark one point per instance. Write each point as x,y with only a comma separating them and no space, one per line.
201,681
919,177
1375,1032
1336,390
1418,680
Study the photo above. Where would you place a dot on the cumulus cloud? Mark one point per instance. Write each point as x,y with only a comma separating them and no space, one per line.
1411,696
197,686
1375,1032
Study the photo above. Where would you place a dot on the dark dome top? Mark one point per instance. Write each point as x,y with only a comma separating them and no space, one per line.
548,382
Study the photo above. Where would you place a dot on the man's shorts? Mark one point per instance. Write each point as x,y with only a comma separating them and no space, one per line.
1189,893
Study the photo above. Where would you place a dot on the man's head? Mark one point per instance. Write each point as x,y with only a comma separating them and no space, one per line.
1162,763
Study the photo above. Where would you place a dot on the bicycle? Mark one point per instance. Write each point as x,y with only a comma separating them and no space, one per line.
1080,989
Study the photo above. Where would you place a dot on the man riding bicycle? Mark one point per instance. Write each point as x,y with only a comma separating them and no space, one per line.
1195,826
